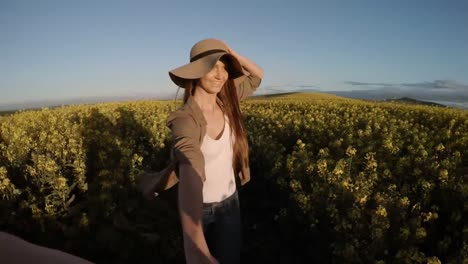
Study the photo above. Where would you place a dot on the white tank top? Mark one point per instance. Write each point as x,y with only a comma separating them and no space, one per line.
220,182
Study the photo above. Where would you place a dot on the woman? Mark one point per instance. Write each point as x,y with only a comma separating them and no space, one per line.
210,148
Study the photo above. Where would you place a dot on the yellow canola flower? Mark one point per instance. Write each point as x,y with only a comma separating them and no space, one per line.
381,211
404,201
61,182
344,184
338,172
440,147
350,151
363,200
300,144
443,175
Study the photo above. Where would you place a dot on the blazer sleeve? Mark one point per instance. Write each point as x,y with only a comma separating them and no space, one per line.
186,141
248,86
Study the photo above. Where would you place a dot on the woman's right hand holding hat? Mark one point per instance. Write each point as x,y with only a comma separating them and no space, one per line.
247,64
229,49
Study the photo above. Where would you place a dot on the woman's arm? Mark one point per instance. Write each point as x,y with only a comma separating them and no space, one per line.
191,213
246,63
190,191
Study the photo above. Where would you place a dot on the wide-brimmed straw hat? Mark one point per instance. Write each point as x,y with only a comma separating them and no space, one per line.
203,56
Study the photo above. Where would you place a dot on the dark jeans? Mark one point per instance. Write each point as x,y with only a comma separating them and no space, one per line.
222,229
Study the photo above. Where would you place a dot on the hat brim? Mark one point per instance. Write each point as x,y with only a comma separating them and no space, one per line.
183,75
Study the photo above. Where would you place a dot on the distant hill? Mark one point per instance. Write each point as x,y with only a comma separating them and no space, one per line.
286,95
407,100
273,95
5,113
38,104
331,96
299,96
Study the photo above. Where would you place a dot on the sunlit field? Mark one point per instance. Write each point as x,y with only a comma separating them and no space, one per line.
333,180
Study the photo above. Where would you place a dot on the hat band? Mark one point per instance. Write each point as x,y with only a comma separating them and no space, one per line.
206,53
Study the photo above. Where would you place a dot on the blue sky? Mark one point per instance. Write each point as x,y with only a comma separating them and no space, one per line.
57,50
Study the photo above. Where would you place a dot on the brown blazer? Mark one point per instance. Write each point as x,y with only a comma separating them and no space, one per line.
188,127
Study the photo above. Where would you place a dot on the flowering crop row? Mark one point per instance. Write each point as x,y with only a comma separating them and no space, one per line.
374,182
382,181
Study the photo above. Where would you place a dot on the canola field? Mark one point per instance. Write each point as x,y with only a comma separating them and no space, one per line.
333,180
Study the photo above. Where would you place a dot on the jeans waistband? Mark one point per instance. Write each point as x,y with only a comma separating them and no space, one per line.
225,202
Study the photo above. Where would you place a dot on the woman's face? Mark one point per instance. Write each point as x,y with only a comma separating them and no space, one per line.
214,81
